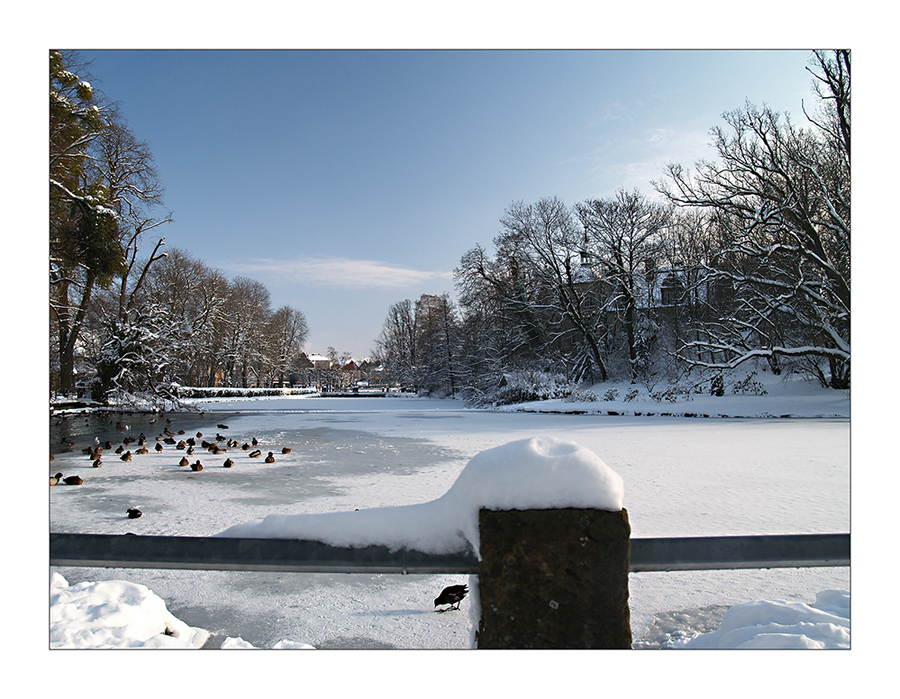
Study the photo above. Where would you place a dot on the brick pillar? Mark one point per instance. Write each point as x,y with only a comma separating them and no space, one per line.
554,579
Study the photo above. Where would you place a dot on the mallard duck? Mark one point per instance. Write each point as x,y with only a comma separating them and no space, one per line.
190,451
181,445
191,441
142,450
285,450
245,446
228,463
270,459
254,441
184,461
55,479
452,595
253,454
158,447
120,449
73,480
222,427
197,466
133,513
126,456
199,435
180,432
97,463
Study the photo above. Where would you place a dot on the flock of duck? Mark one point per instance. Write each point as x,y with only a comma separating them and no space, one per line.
189,445
451,596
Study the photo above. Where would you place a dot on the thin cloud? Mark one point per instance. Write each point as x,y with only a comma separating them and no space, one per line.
338,272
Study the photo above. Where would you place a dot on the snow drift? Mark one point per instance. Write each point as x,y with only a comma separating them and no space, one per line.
535,473
780,624
114,614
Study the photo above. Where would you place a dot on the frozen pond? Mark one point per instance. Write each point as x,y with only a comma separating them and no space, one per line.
682,477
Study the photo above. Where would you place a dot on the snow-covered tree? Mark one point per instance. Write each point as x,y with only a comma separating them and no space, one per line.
781,197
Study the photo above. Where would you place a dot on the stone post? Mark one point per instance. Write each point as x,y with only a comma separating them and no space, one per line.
554,579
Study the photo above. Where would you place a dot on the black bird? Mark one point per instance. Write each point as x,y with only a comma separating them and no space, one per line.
133,513
452,595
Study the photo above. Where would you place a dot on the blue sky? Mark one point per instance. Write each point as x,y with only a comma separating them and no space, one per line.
346,181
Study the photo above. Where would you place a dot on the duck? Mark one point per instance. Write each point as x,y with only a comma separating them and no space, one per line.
94,454
126,456
142,450
184,461
181,445
245,446
133,513
158,447
55,479
254,441
120,449
197,466
190,451
452,595
228,463
73,480
270,459
199,435
180,432
253,454
285,450
97,463
190,441
222,427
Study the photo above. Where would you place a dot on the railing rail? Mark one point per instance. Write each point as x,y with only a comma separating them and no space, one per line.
290,555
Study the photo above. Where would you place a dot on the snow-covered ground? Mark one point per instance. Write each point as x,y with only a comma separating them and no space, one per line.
682,476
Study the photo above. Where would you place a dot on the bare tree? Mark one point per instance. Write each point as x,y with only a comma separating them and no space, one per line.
623,233
782,196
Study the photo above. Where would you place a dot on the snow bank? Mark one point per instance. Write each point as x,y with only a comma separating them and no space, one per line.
114,614
535,473
779,624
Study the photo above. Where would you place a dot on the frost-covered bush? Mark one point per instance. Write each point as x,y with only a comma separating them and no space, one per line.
527,386
582,395
631,395
749,386
611,394
717,385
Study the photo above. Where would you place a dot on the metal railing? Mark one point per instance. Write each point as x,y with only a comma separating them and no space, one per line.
289,555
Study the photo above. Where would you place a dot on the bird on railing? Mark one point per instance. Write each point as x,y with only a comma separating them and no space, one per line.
451,595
